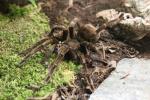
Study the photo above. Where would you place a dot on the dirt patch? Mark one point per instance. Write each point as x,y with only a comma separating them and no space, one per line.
56,10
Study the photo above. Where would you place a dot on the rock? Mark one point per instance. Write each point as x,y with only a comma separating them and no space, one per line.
138,7
135,28
130,81
136,23
108,15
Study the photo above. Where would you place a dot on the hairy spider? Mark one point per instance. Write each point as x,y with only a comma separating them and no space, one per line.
64,41
67,41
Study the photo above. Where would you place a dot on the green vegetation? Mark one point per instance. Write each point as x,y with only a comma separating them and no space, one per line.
16,35
16,11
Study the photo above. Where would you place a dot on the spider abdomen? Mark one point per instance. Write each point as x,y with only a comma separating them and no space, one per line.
88,32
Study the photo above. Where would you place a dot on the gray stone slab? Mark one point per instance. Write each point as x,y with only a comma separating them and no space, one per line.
130,81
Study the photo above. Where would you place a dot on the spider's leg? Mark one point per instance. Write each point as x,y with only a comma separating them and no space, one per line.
72,26
61,53
34,46
33,51
82,59
52,67
71,31
42,41
110,23
56,27
47,54
70,34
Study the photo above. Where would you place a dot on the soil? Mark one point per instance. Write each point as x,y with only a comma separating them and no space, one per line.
85,9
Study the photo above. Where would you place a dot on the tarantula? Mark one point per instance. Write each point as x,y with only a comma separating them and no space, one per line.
63,40
67,41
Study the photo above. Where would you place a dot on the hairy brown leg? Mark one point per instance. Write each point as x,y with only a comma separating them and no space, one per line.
37,46
47,54
33,51
34,46
61,53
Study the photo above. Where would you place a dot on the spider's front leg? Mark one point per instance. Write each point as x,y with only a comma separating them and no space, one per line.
50,36
35,48
61,53
49,39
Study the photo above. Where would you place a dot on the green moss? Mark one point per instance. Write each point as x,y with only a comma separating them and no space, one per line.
16,35
16,11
